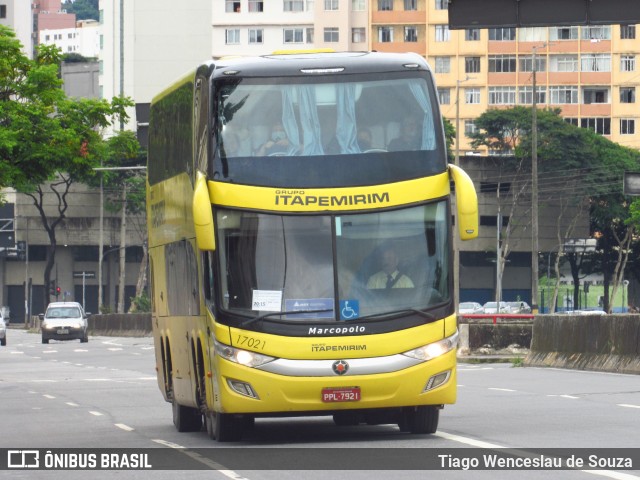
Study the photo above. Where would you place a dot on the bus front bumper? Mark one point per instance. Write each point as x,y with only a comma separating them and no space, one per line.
250,390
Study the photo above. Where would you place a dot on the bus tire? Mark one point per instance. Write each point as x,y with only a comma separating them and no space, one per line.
422,419
224,427
186,419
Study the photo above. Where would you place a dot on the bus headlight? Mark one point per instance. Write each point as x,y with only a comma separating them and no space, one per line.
434,350
241,357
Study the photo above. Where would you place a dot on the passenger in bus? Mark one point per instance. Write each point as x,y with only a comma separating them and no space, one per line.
278,143
389,276
365,139
409,139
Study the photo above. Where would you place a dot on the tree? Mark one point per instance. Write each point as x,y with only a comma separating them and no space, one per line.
450,138
84,9
47,141
613,215
561,147
126,194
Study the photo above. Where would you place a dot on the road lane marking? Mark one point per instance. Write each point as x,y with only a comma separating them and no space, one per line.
15,351
502,389
570,396
97,414
48,396
481,444
71,404
80,350
50,351
124,427
114,349
199,458
627,405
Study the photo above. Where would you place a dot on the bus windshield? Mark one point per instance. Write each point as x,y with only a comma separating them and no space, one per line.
343,129
333,267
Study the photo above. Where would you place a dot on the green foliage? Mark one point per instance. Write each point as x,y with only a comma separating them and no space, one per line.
141,303
517,362
75,58
84,9
47,141
122,150
450,138
44,132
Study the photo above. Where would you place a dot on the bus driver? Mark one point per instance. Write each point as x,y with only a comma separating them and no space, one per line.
389,277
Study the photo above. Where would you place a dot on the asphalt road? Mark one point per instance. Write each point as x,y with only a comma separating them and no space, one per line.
104,394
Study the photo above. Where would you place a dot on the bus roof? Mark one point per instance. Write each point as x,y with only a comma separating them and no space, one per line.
293,64
290,63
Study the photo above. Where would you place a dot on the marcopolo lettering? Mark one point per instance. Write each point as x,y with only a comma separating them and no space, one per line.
336,330
290,198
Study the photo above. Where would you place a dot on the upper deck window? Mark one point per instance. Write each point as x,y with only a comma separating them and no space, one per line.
326,117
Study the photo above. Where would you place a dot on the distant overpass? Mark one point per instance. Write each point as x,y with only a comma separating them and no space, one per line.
539,13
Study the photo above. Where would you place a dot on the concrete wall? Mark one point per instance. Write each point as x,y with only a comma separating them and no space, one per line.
121,325
483,337
609,343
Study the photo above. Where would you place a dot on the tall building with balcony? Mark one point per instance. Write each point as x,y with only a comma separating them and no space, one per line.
259,27
589,72
147,44
16,14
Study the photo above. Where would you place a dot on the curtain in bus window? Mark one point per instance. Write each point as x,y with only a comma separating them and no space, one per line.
346,128
289,119
428,131
312,142
305,95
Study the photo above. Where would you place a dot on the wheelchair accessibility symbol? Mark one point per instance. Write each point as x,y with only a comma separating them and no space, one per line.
349,309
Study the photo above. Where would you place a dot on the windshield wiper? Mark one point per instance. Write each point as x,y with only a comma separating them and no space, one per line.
400,313
259,318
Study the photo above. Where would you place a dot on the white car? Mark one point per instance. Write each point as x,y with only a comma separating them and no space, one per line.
466,308
64,321
3,331
492,307
519,307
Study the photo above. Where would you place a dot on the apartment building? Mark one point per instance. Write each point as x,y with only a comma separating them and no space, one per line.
83,38
259,27
17,15
147,44
589,72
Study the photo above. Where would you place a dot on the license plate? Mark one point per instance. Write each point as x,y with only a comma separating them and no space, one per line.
351,394
62,331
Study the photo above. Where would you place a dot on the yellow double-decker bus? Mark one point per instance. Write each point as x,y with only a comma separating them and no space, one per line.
300,234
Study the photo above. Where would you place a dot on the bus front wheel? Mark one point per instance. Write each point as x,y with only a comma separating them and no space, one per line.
224,427
422,419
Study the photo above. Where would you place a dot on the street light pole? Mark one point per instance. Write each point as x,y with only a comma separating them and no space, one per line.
456,242
101,253
534,189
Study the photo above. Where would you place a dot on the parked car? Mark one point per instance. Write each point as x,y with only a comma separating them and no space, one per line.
492,307
3,330
519,307
64,321
470,307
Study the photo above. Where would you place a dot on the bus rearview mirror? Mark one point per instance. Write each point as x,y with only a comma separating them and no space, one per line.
466,203
203,214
